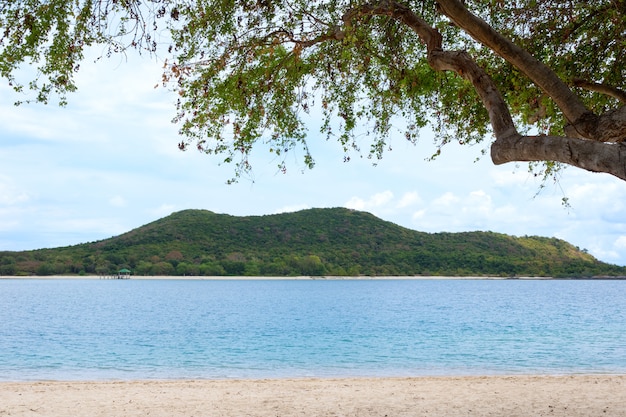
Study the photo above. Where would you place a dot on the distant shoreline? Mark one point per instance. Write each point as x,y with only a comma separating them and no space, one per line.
296,278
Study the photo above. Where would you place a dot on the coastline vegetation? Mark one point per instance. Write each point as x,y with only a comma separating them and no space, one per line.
314,242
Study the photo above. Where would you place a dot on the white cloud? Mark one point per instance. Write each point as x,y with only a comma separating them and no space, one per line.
292,208
80,226
448,199
515,177
381,199
620,243
164,210
117,201
595,222
356,203
375,201
10,218
591,199
476,210
10,194
478,203
607,252
409,199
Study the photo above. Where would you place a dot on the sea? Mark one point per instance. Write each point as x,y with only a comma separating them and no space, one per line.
74,329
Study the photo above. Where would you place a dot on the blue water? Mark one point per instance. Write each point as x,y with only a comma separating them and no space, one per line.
135,329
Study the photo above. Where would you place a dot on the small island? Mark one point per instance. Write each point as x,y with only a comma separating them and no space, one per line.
332,242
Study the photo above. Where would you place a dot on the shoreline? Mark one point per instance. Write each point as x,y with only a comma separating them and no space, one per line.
256,278
295,278
445,396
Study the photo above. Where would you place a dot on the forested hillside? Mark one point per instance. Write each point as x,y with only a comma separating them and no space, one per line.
310,242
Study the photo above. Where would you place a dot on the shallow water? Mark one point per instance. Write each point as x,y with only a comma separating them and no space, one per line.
137,329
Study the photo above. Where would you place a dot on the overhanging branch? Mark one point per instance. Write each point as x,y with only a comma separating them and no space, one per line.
586,154
605,152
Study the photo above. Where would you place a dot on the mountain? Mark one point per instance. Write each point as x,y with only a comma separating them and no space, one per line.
313,242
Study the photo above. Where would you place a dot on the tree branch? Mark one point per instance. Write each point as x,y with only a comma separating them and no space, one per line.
430,36
461,63
509,146
578,115
586,154
601,88
440,60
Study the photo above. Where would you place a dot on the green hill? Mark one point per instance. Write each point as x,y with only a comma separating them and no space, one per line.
310,242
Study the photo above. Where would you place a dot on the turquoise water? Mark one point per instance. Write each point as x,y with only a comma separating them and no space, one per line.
135,329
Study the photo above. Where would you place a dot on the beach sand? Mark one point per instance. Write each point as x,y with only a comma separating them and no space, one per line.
510,396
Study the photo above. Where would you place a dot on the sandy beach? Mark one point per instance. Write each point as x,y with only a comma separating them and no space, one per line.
510,396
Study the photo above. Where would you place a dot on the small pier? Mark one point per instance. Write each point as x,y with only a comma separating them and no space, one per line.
121,274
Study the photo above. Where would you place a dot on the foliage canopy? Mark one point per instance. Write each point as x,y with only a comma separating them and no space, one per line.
545,78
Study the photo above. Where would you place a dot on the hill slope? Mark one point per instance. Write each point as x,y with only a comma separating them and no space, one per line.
310,242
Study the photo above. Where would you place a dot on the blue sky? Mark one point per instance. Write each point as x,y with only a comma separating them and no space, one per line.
109,163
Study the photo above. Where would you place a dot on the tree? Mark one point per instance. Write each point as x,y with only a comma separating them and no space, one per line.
543,78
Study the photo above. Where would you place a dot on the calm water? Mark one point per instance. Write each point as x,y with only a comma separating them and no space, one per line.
92,329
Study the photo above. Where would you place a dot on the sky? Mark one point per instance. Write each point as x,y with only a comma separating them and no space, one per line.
109,162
